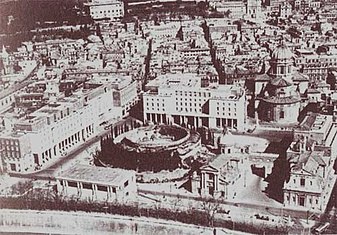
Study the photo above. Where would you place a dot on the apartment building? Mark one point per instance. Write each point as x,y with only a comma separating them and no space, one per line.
316,66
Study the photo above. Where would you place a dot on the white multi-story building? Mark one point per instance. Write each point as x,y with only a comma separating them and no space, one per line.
254,9
100,9
14,146
316,128
64,123
285,10
311,156
316,66
190,100
311,178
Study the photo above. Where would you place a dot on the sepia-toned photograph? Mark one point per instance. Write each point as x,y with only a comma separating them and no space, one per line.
168,117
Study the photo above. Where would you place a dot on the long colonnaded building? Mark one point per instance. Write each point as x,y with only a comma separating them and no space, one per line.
98,183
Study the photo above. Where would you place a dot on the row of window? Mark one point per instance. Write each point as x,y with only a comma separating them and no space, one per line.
225,114
10,154
153,104
319,65
195,100
8,142
107,11
301,201
190,93
302,182
8,147
188,104
229,109
155,109
6,101
188,110
152,99
319,60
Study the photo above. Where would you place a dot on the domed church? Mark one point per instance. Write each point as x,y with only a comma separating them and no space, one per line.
279,90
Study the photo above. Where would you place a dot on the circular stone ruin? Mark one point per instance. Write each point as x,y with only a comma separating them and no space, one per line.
152,148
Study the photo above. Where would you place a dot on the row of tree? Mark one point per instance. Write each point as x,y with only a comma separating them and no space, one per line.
49,200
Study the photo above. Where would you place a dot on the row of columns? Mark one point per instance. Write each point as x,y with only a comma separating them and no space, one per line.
204,186
226,122
191,121
66,143
157,118
178,119
111,192
122,128
293,199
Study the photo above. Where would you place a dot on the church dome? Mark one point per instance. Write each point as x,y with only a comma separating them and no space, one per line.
282,52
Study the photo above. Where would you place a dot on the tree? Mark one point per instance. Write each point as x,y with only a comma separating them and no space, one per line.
210,207
22,187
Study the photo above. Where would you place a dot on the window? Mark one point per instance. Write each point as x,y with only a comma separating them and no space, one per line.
281,114
302,182
126,183
13,166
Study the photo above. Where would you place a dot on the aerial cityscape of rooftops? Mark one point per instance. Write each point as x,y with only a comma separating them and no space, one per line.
181,116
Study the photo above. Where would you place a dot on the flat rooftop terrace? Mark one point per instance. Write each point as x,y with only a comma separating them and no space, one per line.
95,174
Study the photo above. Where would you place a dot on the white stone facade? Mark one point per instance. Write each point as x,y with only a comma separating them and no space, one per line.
67,122
181,99
100,9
